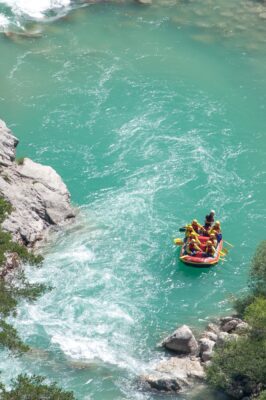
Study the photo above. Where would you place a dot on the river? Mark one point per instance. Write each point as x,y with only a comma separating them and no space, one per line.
152,116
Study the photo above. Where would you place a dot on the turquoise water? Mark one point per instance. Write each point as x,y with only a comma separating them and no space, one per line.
152,116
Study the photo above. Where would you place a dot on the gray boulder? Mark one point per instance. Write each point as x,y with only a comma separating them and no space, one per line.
213,328
38,195
206,356
230,325
182,341
210,335
206,345
222,338
175,374
242,327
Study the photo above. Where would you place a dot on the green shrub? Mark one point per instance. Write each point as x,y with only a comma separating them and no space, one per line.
5,209
9,338
242,303
258,270
255,315
257,280
262,396
8,246
20,160
239,367
8,302
34,388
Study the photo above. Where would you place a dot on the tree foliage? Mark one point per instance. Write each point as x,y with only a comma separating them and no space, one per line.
258,270
239,367
25,387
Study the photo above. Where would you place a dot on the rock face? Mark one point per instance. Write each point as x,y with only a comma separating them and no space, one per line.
36,192
175,374
182,341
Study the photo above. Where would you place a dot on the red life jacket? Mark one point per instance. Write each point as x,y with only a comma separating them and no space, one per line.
196,227
191,246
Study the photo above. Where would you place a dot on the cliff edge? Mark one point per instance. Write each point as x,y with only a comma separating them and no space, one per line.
38,196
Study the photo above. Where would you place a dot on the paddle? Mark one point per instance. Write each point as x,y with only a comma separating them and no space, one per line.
183,229
224,252
229,244
178,242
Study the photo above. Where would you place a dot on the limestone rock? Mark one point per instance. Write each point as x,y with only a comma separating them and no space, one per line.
38,195
181,341
225,337
222,338
230,325
207,356
8,143
175,374
213,328
206,345
210,335
163,383
242,327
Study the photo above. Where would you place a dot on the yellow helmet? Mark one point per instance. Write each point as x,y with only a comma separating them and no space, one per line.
217,223
194,221
208,243
212,234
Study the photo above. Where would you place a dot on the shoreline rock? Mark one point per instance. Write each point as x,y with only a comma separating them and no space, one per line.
39,197
181,371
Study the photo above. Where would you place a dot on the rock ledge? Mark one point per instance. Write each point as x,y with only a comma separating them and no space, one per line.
38,195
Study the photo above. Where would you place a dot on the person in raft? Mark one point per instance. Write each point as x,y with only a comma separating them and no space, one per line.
194,236
216,229
209,220
210,250
192,248
199,229
213,240
189,230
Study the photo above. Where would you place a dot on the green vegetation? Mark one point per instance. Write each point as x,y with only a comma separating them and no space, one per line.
20,160
262,396
34,388
8,246
12,291
5,209
239,367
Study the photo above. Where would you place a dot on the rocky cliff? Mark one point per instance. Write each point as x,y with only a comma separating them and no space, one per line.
38,195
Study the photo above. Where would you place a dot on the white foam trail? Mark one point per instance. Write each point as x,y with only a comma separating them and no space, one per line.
4,21
35,9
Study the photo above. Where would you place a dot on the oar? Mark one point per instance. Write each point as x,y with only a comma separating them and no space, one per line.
178,241
224,253
183,257
229,244
183,229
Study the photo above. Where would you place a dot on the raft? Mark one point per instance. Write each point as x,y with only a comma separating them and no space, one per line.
198,261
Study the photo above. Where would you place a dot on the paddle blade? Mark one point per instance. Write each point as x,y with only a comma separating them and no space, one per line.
229,244
178,242
182,229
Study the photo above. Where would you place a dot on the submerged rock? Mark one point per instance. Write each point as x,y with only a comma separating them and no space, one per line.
38,195
182,341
